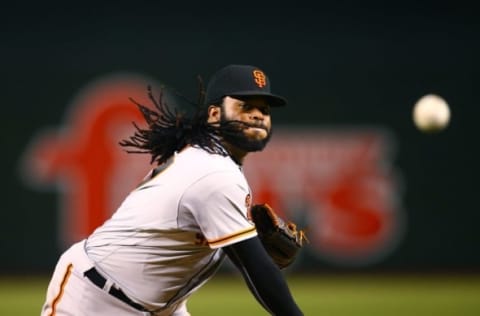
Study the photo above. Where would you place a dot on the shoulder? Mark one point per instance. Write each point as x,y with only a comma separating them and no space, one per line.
211,172
200,159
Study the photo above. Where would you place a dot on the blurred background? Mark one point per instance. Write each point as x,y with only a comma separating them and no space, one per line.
346,161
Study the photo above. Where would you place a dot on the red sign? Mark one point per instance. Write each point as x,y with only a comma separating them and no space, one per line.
339,184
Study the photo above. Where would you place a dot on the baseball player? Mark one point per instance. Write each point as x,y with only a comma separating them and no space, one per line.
172,232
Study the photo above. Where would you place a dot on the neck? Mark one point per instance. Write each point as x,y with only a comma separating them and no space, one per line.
237,154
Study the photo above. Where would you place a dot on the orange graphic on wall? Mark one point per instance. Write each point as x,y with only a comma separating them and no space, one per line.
340,182
84,159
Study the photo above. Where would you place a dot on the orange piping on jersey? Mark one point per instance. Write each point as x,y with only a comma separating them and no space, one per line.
62,286
226,239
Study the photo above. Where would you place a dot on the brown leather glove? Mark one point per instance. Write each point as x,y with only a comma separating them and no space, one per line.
281,239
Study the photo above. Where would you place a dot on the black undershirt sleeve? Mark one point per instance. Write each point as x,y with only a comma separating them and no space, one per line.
263,277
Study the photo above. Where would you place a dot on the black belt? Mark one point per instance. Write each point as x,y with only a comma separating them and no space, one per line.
100,281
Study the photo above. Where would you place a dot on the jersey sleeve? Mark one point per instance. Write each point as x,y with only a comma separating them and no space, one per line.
219,203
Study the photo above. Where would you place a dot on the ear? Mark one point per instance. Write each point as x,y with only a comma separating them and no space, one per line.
214,113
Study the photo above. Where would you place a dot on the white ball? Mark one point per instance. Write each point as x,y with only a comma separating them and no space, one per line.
431,113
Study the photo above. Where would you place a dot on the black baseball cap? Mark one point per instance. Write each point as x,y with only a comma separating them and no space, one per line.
238,81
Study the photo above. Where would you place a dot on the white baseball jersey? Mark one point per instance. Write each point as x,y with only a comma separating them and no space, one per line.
163,241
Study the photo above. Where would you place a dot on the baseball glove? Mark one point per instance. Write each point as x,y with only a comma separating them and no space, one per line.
281,239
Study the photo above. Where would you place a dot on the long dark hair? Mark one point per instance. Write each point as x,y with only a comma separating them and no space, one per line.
171,128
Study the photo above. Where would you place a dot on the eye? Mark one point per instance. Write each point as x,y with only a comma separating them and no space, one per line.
265,109
247,107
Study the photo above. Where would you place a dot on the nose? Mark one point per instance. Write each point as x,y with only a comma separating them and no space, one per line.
256,114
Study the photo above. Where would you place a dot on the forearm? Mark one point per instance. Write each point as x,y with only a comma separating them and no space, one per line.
263,277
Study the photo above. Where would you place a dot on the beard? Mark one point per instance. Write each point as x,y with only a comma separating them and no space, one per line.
232,131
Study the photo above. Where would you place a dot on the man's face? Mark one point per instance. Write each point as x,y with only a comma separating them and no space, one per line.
246,122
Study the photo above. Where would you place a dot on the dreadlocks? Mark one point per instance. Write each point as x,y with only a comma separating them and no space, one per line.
170,131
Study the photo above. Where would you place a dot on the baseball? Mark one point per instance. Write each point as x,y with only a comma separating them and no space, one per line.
431,113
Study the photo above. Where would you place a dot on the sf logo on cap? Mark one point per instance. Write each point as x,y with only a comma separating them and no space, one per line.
260,78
